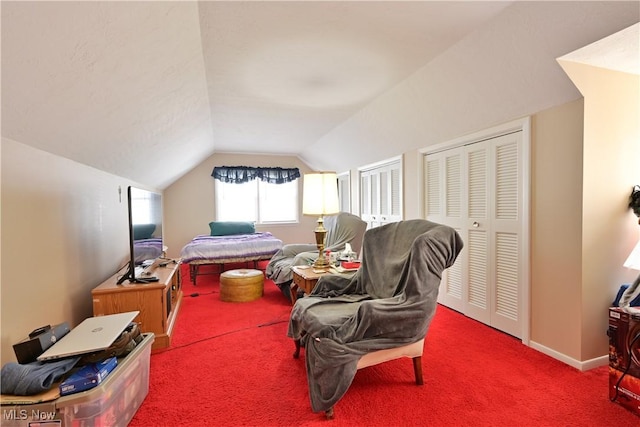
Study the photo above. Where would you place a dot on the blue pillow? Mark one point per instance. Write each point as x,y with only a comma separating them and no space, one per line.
143,231
228,228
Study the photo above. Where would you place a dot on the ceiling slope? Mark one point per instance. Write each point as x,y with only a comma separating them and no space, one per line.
148,90
503,71
119,86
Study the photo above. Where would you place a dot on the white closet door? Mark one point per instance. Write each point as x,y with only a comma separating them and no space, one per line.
493,241
395,194
365,197
507,218
381,189
444,171
476,189
477,234
344,192
374,179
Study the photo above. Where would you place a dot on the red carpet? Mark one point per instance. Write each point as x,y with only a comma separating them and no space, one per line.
230,364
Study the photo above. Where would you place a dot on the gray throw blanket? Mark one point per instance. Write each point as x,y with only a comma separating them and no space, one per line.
341,228
33,378
388,303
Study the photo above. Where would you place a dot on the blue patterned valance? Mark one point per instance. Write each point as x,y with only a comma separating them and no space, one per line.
242,174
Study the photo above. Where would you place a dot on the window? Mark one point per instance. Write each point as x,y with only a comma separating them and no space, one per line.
146,207
278,202
257,201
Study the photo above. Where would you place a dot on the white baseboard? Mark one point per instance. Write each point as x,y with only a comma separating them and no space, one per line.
580,365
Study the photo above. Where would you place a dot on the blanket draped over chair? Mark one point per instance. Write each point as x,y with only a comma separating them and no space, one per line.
341,229
388,303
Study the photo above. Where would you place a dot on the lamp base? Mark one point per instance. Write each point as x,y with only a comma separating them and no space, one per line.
321,262
320,232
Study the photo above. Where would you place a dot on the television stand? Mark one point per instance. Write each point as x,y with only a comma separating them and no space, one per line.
158,302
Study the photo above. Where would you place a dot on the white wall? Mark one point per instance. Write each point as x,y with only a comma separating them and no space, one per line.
504,71
611,154
556,228
582,229
190,201
64,230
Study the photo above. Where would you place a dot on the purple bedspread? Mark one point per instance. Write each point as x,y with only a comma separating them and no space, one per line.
239,247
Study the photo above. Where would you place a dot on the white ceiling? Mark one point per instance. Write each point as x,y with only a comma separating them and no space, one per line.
619,51
148,90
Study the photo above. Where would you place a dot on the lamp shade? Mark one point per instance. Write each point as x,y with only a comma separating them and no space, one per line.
320,193
633,261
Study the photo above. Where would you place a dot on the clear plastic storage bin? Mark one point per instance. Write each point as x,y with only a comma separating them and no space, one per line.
115,400
112,403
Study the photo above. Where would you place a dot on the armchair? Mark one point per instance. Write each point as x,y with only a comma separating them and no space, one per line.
382,312
341,228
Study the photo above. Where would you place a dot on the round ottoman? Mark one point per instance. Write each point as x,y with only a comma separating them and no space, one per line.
241,285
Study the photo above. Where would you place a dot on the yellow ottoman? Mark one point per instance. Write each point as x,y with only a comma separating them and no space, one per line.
241,285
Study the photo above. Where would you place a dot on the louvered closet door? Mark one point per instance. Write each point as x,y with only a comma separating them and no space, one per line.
476,190
492,240
444,204
344,192
478,234
390,194
507,218
381,194
365,198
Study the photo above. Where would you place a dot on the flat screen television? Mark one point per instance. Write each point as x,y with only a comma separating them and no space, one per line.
145,235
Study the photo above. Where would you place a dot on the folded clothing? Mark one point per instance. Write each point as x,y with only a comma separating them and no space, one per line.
33,378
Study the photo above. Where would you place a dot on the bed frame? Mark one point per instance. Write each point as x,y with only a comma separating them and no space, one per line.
194,266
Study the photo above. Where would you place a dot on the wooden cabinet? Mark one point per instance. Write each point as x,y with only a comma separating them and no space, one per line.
158,302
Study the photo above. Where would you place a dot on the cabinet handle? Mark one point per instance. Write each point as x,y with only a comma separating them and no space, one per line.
476,224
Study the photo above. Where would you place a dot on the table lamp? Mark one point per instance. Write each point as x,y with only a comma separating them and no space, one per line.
320,197
633,291
633,261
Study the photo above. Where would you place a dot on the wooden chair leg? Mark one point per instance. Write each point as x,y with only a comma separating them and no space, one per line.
417,369
329,413
296,354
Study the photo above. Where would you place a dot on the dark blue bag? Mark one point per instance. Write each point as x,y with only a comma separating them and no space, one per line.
634,302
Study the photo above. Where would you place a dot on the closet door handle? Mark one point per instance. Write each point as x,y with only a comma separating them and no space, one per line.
476,224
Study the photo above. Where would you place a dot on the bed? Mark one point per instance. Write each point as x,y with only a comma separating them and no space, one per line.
219,250
145,249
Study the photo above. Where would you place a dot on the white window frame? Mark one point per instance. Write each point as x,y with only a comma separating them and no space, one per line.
259,202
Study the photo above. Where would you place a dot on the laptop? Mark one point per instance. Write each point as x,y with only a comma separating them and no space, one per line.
93,334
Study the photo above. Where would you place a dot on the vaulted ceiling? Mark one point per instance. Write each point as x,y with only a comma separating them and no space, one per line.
147,90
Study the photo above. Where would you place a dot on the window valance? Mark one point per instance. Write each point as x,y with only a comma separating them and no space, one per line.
242,174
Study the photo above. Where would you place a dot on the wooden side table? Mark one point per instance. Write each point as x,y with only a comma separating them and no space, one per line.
304,278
